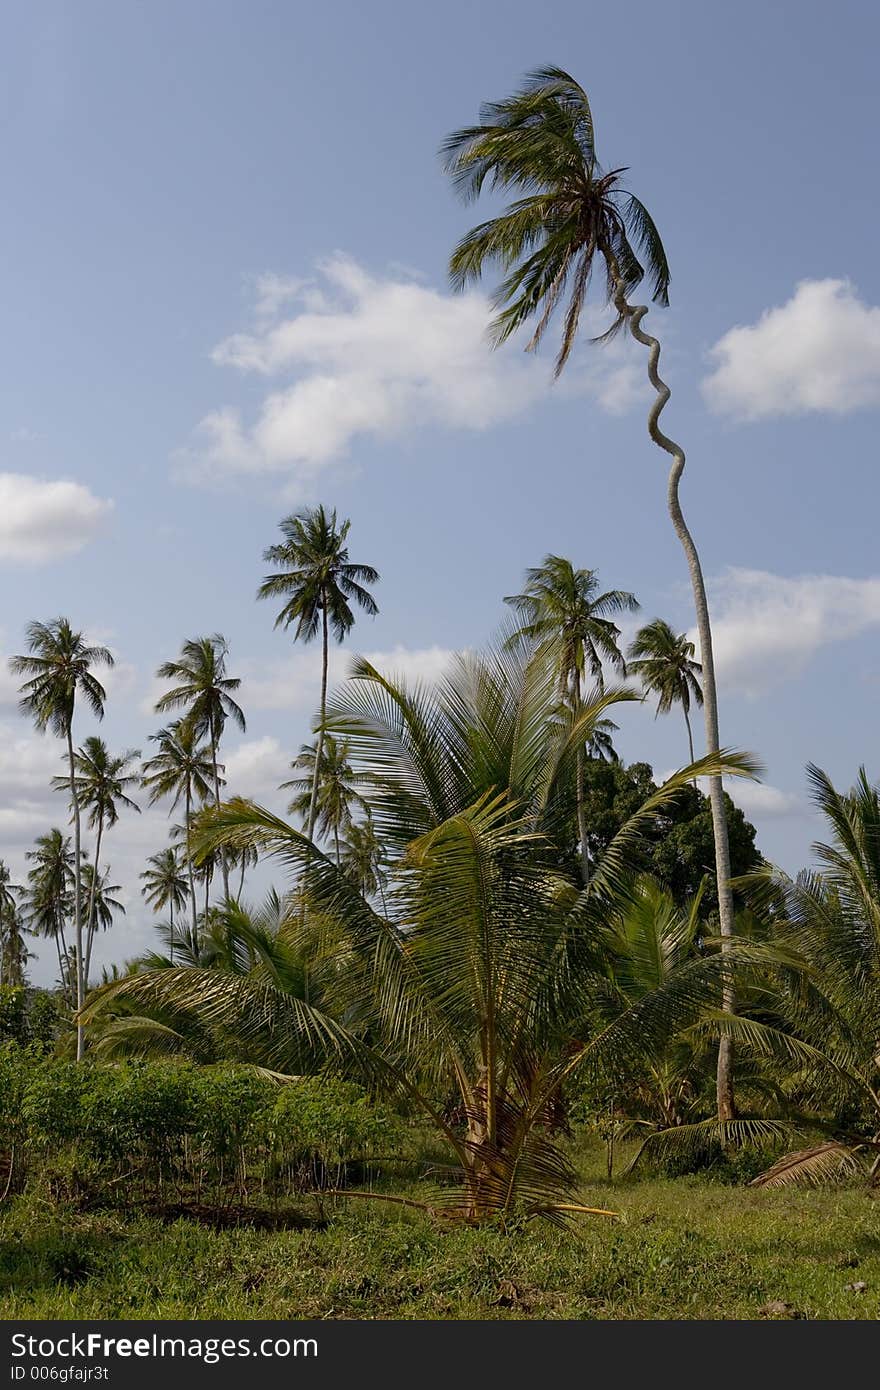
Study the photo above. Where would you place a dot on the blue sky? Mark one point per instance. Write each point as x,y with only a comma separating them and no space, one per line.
223,253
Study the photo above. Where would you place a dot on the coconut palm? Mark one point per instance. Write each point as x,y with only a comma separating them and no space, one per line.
103,894
101,782
664,662
58,667
338,793
565,604
570,216
47,900
600,744
13,952
165,885
831,922
204,692
183,769
362,858
318,584
487,973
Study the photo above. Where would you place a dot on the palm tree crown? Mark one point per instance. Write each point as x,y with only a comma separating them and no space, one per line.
100,781
540,144
664,662
203,688
315,575
562,602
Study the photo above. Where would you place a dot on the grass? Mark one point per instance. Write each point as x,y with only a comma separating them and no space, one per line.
684,1248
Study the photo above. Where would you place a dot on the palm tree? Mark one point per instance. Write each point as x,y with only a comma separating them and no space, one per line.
13,952
58,668
563,603
362,858
664,662
487,973
165,885
103,894
317,581
338,791
204,692
47,899
600,744
569,216
101,781
182,769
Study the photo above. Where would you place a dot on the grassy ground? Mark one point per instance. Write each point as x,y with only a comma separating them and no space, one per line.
684,1248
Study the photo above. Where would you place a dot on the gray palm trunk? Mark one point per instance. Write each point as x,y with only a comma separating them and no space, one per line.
93,898
77,896
579,792
319,746
189,864
224,868
633,315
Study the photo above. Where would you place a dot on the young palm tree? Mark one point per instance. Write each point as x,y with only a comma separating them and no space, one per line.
165,885
204,692
58,668
317,581
48,899
563,603
183,769
101,781
489,970
569,216
338,793
664,662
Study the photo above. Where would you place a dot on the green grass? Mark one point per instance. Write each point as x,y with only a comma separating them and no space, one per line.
685,1248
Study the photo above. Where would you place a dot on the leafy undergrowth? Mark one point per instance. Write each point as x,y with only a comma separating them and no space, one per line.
685,1248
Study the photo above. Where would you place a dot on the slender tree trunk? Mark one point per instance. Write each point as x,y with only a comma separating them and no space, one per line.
579,791
336,842
319,745
77,896
171,943
93,897
633,314
243,869
224,868
189,865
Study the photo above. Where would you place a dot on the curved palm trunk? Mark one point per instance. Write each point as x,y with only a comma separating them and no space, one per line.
243,871
90,915
319,746
189,864
171,943
224,867
633,314
690,735
77,896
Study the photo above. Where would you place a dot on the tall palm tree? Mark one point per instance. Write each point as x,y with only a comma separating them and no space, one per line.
104,896
48,900
664,662
568,217
165,885
183,769
101,782
13,952
338,793
204,692
58,668
318,582
565,604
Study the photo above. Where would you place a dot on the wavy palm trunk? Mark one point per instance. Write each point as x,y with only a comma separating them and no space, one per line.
77,896
633,315
319,745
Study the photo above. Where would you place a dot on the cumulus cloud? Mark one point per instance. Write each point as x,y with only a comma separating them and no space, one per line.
759,800
767,627
41,521
818,352
352,355
294,682
255,768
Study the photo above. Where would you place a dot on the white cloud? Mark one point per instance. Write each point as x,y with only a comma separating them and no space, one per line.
294,683
41,521
818,352
758,799
255,768
767,627
370,357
